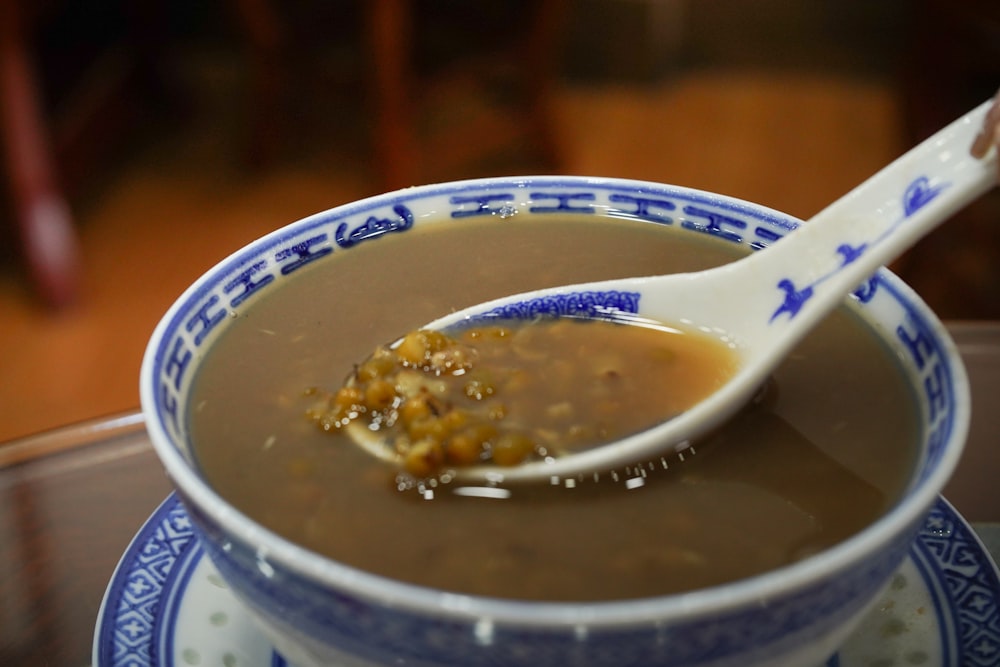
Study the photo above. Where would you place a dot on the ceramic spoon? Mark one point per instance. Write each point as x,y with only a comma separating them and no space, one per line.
764,303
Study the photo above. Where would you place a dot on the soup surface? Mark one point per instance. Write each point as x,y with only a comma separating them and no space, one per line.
518,390
826,448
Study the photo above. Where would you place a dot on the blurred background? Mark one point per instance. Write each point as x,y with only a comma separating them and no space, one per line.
143,142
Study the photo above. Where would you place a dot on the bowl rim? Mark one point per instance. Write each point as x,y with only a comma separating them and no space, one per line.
385,591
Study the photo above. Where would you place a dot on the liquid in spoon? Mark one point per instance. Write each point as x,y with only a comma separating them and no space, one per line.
508,392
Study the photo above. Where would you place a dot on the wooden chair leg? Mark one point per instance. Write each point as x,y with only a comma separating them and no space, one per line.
540,70
265,31
388,29
41,213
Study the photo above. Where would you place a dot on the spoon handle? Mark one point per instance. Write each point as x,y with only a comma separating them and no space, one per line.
806,274
765,303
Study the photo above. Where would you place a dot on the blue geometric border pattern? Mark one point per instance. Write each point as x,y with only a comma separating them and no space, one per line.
136,627
957,562
593,305
135,598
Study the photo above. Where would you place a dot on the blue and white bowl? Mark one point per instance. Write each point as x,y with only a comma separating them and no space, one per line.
319,612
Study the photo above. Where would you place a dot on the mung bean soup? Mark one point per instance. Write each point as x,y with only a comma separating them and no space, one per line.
516,390
825,449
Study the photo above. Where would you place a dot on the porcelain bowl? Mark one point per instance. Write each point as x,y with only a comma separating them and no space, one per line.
319,612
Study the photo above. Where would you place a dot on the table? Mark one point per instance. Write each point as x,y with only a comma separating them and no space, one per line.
71,500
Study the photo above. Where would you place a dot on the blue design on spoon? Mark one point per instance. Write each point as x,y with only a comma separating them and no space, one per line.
919,193
916,195
794,298
592,304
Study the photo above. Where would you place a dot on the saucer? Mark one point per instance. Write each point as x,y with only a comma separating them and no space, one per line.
166,606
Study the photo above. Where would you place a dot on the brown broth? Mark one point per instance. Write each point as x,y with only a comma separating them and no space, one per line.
518,390
826,450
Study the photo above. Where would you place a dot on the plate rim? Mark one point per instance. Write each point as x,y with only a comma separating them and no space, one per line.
184,551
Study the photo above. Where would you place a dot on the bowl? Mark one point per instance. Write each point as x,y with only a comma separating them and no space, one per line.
319,612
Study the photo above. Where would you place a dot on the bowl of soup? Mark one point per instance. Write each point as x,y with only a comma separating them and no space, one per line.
761,544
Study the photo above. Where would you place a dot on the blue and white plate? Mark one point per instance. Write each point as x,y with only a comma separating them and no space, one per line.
166,606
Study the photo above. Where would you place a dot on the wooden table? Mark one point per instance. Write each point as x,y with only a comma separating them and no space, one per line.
71,500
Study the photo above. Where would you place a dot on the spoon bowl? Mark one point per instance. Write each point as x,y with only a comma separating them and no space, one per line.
761,305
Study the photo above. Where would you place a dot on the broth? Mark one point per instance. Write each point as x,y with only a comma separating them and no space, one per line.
519,390
827,448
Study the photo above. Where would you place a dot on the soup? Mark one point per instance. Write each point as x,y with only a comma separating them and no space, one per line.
825,449
523,390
